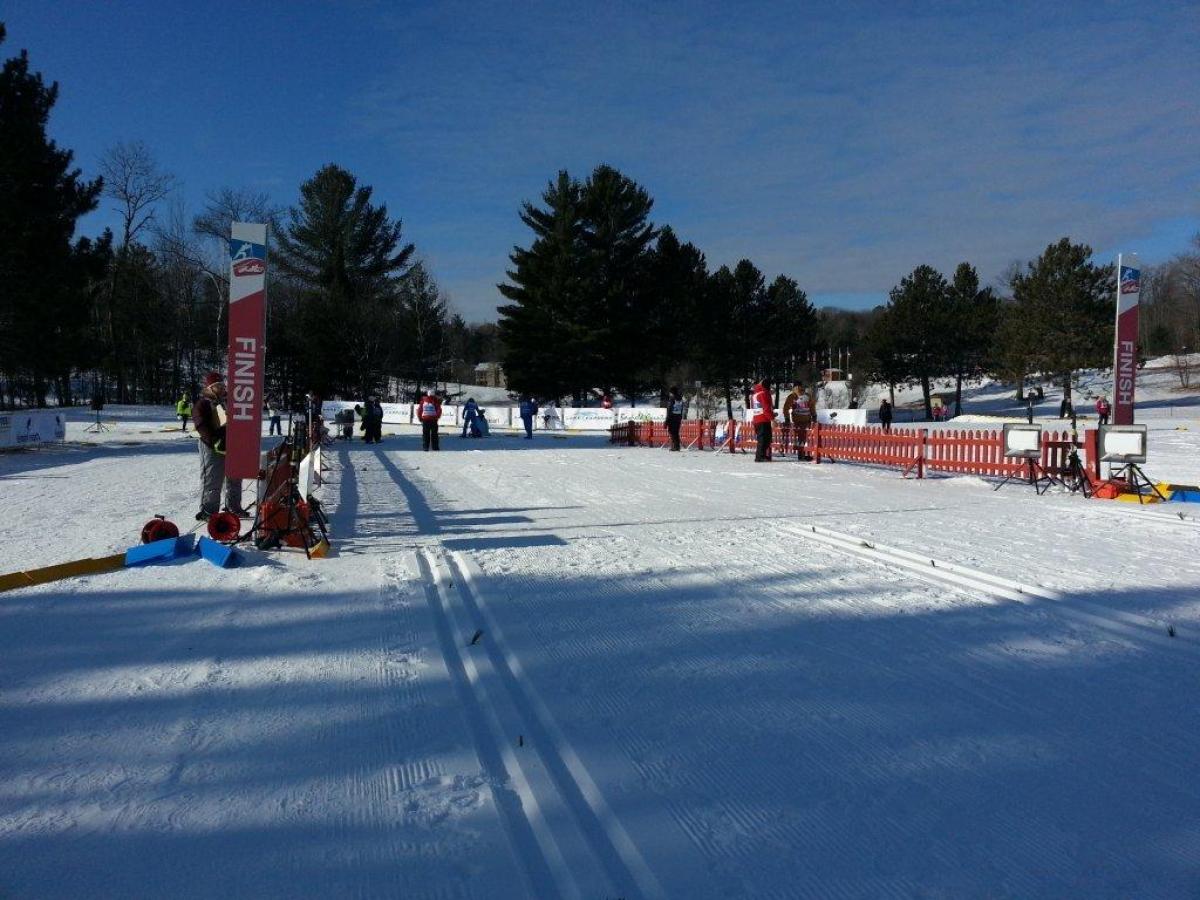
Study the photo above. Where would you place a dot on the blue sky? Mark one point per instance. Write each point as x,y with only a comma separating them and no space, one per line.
842,144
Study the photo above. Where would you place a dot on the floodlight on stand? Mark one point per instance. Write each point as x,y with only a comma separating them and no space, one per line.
1126,446
1022,441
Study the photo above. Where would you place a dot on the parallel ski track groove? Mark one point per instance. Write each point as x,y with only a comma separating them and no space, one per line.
607,839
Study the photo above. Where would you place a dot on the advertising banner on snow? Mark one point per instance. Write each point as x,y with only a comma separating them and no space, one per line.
1129,288
247,324
31,427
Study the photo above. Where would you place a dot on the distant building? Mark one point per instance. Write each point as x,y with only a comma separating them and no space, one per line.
490,374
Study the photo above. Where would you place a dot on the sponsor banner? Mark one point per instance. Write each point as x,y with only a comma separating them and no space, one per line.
588,419
393,413
640,414
1129,289
244,382
31,428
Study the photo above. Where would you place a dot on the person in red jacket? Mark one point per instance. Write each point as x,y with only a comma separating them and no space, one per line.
1103,410
764,415
429,410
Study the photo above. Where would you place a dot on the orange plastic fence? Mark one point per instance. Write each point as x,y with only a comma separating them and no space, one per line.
964,451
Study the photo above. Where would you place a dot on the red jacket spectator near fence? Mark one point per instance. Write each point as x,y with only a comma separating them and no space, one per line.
1103,410
764,415
429,410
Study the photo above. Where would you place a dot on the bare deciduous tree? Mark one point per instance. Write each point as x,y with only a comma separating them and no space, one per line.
133,179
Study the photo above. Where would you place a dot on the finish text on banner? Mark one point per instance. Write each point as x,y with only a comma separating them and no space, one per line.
1129,289
244,384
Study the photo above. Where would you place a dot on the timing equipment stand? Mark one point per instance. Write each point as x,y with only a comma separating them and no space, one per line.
97,426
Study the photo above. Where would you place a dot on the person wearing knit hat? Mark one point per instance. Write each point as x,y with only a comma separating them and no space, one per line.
208,414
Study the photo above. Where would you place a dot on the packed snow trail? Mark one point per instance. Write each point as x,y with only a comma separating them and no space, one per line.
817,727
287,729
676,691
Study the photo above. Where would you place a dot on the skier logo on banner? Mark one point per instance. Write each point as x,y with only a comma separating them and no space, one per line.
247,258
1130,280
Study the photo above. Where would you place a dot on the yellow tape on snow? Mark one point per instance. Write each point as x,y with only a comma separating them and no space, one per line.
91,566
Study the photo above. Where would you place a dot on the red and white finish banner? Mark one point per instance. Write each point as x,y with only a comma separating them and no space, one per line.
247,325
1129,289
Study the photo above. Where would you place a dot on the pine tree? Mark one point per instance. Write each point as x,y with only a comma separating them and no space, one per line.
677,277
42,273
972,318
541,333
1062,312
348,256
918,313
617,236
791,330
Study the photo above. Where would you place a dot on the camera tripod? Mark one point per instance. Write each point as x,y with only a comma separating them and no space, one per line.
1136,479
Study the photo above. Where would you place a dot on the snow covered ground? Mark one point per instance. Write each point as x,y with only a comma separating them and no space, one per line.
696,678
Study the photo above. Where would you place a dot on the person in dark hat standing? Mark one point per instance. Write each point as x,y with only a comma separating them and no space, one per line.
675,410
208,415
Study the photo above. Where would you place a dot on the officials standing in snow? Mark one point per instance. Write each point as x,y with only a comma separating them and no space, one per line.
429,411
372,421
528,409
1103,410
208,415
675,411
763,414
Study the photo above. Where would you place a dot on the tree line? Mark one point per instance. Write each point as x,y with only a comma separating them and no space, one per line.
602,298
139,314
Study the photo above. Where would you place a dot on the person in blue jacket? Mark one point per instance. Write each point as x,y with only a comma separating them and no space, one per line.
470,411
528,410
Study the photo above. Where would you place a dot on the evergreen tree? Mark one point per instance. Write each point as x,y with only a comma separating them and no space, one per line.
423,329
617,236
790,333
43,273
918,313
972,318
722,326
1062,313
348,256
544,341
676,281
881,359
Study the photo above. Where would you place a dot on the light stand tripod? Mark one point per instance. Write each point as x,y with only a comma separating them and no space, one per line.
97,426
1035,474
1136,479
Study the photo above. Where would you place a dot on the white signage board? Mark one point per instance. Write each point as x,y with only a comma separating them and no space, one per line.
588,419
640,414
29,428
842,417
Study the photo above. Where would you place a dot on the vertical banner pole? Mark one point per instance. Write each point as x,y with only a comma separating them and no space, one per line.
1129,278
247,356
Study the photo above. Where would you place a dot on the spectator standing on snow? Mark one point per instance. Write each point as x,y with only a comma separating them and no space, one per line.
606,402
1065,410
675,411
274,418
1103,410
885,415
372,421
470,411
183,409
528,409
763,416
429,411
208,415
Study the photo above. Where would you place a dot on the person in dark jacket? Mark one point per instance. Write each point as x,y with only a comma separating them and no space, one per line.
470,411
429,410
208,415
675,411
885,414
528,409
372,421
